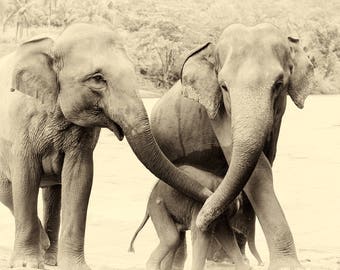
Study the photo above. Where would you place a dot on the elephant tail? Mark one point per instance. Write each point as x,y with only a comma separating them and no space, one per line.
145,219
251,242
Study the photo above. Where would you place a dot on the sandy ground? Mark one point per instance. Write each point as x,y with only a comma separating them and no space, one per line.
306,175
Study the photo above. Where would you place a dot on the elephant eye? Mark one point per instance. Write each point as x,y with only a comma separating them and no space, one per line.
96,81
98,78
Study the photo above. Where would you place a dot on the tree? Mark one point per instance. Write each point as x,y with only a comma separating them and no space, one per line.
51,4
20,13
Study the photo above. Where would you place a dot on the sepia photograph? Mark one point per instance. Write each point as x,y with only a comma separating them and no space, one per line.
169,134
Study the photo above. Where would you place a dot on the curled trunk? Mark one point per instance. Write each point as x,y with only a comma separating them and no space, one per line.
249,130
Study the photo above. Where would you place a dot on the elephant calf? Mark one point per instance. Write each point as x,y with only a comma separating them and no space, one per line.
243,225
173,213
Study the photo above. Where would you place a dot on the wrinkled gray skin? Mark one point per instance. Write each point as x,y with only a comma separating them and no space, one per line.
173,213
243,224
55,95
236,96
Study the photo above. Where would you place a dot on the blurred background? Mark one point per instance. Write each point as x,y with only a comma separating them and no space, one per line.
158,34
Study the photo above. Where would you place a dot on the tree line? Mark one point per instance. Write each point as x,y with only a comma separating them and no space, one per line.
160,32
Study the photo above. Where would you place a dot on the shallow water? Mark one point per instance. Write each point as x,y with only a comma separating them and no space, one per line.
307,182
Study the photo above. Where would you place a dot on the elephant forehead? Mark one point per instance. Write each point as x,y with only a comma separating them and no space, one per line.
260,41
82,31
86,38
83,45
257,32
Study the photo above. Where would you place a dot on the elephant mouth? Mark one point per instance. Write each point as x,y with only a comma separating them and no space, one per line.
117,130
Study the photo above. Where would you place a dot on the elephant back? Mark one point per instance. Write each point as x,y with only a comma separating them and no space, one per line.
184,133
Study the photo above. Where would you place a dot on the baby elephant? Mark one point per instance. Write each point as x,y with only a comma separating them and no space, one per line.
243,225
173,213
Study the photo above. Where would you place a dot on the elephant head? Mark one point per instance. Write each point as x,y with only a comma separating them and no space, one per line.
86,77
246,76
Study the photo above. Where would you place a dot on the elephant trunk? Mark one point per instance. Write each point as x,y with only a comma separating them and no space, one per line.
136,128
250,124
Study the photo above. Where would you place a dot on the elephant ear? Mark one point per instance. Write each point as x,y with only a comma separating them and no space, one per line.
33,73
199,79
302,72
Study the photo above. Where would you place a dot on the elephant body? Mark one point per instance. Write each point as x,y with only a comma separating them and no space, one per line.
56,95
173,213
224,117
29,125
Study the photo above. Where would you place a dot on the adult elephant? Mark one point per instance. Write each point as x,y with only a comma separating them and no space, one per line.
55,96
240,88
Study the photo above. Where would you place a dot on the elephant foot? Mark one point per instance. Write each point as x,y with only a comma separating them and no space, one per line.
30,255
244,265
51,258
19,260
44,240
245,259
220,257
285,264
51,255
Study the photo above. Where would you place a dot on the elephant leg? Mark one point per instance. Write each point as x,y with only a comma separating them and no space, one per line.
225,235
180,254
52,205
30,239
175,259
166,263
241,240
260,192
200,244
167,233
6,197
216,253
77,176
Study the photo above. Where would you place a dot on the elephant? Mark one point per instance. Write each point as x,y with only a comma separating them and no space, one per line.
243,225
56,95
172,214
224,116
